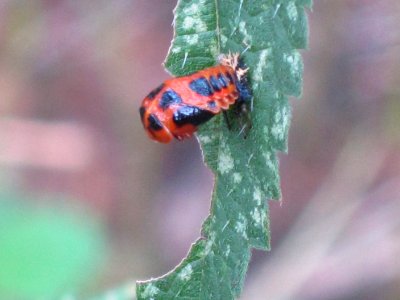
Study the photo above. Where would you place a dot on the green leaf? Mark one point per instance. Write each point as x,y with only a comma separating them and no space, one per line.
246,170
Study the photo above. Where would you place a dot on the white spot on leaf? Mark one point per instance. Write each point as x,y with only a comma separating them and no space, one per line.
186,272
224,39
150,291
237,178
204,139
225,162
257,195
192,39
281,123
292,11
209,243
242,29
294,60
269,162
191,9
262,63
241,226
259,217
228,250
194,23
256,215
176,49
214,49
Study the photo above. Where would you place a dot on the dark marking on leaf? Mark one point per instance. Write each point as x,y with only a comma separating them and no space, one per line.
191,115
201,86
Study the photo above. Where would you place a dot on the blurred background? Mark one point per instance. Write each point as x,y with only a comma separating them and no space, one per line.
88,203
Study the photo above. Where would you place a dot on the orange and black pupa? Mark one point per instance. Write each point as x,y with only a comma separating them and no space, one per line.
179,105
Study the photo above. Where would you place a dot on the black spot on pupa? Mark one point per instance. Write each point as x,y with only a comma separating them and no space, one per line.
154,92
201,86
191,115
154,123
222,80
230,78
142,110
215,83
211,104
169,97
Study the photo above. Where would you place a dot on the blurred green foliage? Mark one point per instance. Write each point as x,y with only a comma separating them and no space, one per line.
45,252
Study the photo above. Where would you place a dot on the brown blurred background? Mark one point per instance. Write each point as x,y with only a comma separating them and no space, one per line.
72,150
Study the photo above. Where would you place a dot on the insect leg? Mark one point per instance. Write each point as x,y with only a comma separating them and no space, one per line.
228,124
